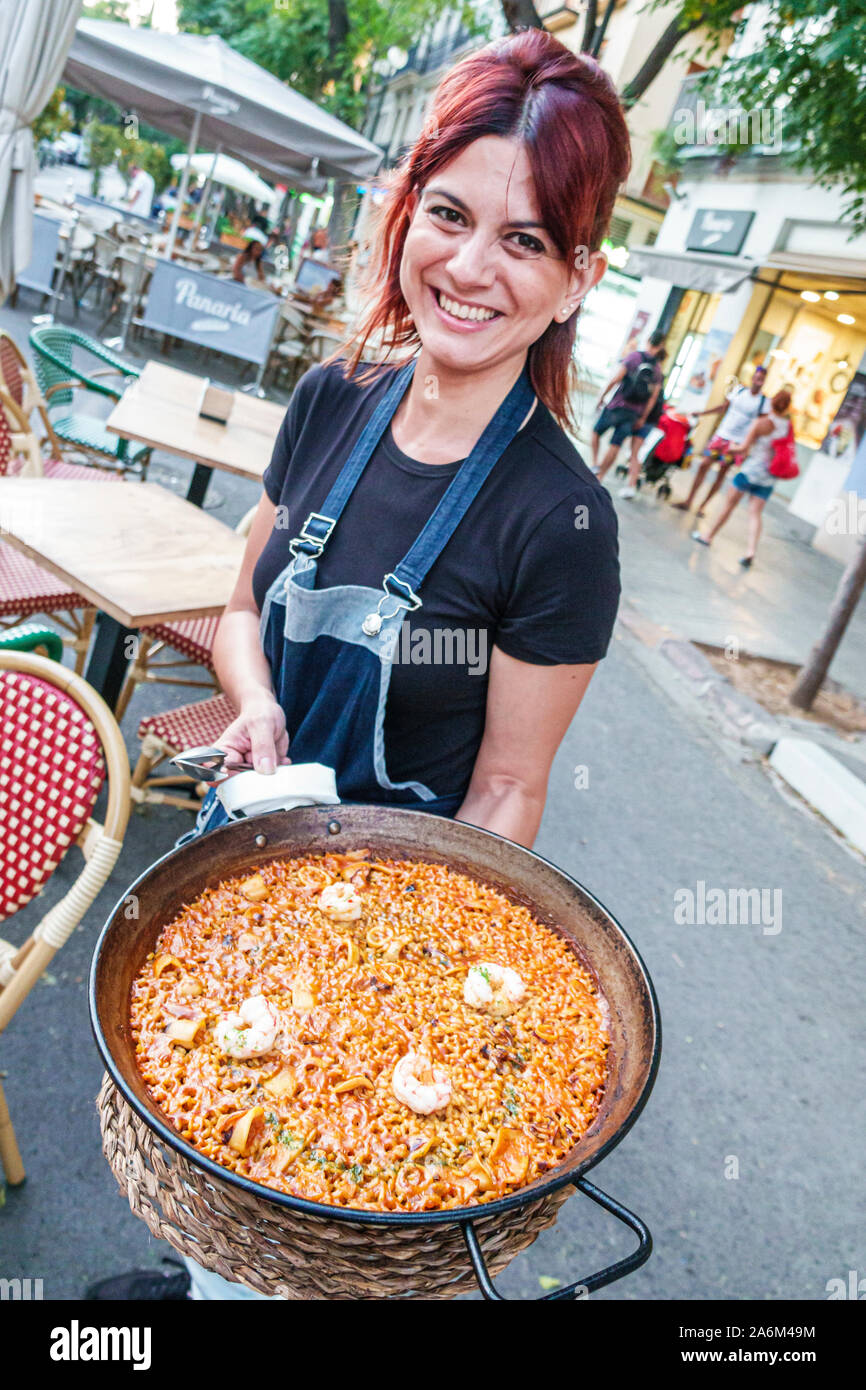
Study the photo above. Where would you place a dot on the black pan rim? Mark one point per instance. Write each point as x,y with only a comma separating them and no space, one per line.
359,1215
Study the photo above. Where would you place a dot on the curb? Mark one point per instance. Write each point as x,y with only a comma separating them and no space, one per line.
823,782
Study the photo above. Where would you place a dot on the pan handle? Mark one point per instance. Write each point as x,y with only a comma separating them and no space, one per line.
591,1282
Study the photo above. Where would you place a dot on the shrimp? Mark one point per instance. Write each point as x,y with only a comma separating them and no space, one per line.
495,989
341,902
249,1033
421,1086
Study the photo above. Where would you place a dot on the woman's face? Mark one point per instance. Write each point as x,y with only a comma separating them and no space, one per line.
475,244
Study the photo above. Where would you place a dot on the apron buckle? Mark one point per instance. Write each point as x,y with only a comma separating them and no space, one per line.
314,533
404,597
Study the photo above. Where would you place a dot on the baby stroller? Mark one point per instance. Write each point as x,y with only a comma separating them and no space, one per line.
667,446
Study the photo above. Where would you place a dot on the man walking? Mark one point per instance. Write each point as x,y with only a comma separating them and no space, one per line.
741,409
638,381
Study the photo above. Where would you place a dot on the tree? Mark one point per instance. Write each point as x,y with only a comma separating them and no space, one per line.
53,119
814,672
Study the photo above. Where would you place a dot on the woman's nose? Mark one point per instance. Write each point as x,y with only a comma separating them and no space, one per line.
473,262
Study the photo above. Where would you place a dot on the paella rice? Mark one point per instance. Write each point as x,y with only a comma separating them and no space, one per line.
380,1034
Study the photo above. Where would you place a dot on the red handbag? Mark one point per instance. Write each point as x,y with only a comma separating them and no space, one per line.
783,463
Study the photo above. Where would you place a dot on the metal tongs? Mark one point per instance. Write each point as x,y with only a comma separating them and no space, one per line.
207,764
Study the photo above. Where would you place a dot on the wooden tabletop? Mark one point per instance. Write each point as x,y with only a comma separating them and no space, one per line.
160,409
135,550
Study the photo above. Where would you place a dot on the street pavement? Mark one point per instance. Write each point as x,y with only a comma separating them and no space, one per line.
746,1162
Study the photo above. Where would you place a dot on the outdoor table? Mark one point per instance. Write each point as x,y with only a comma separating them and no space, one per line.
137,552
161,409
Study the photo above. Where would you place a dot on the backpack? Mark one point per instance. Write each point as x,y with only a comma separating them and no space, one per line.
637,386
783,460
656,413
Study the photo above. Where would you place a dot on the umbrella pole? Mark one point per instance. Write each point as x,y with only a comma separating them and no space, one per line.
184,185
203,201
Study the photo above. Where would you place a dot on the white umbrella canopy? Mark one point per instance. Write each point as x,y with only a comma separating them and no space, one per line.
170,80
34,37
229,173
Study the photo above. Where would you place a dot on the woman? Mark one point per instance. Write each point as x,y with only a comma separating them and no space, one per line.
754,477
249,260
434,655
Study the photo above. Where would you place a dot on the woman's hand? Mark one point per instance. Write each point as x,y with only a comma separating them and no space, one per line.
257,736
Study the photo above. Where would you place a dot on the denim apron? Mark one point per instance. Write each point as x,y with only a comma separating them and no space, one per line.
331,650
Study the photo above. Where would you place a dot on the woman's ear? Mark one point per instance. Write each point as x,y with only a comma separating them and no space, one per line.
410,203
587,271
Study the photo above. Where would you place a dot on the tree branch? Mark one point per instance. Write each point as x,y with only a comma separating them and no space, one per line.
521,14
657,58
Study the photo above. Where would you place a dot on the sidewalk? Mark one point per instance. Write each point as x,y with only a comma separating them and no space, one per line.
777,609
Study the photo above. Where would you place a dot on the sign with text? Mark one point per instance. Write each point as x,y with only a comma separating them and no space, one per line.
219,314
46,239
719,230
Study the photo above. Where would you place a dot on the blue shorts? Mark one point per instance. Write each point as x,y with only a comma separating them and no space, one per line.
742,484
620,419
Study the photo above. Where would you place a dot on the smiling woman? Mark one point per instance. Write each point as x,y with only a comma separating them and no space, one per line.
444,680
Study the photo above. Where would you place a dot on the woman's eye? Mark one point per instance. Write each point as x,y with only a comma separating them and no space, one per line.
527,243
448,214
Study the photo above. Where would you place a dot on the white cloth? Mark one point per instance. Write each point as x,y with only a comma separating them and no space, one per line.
756,467
141,193
743,408
34,38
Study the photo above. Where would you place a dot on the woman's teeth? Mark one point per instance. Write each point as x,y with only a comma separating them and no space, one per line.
463,311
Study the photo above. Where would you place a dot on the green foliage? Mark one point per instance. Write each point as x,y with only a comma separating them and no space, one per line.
809,70
294,40
103,141
153,158
52,119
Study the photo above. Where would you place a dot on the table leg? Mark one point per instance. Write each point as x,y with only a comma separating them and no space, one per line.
201,476
112,650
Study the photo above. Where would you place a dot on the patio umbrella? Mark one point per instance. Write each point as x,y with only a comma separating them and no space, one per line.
196,86
229,173
34,38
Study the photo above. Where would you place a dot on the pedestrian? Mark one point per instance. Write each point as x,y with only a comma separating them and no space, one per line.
248,262
450,451
646,424
741,408
638,381
754,478
141,190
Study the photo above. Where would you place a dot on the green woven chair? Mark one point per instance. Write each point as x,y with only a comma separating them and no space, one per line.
31,637
54,348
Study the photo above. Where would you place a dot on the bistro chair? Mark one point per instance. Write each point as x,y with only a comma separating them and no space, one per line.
54,348
168,733
100,270
167,651
131,276
58,740
32,462
26,589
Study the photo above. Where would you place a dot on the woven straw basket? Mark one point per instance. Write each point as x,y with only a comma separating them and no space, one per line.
273,1250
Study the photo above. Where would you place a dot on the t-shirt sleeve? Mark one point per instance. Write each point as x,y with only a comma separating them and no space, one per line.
274,476
566,591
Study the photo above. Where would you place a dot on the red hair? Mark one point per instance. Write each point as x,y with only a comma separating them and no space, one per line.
564,109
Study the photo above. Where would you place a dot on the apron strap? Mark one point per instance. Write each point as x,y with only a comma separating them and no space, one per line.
316,530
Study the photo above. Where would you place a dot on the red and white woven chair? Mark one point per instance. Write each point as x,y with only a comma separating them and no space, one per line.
25,587
167,651
163,735
57,738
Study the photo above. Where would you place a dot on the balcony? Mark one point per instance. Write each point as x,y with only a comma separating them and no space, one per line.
559,14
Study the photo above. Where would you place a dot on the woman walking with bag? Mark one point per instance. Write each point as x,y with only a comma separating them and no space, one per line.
767,454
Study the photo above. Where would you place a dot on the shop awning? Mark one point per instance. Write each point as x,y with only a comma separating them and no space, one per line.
691,270
829,267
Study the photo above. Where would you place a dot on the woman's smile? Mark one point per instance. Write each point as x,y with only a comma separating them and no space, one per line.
462,316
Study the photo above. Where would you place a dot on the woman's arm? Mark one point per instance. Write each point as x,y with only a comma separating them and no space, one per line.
529,709
237,267
258,735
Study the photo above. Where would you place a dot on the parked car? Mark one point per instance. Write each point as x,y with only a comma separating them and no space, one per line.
69,149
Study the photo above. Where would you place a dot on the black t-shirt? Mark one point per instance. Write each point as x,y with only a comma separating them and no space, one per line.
532,568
